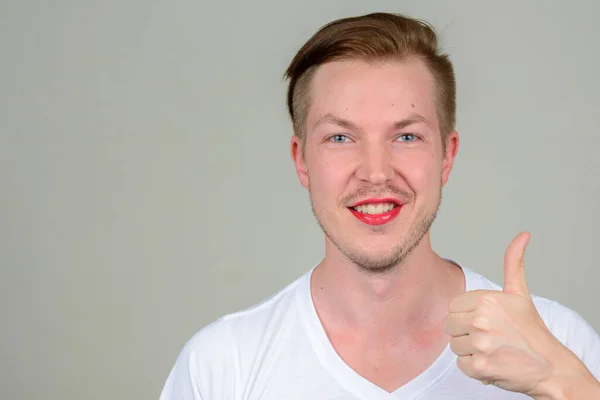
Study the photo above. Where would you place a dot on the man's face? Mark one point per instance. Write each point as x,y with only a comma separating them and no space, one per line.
373,160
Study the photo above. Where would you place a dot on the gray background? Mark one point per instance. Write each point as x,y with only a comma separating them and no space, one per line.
146,186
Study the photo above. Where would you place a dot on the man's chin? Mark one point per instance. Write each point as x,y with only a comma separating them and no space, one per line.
376,262
378,267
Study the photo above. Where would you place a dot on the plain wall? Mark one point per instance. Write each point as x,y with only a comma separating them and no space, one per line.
146,186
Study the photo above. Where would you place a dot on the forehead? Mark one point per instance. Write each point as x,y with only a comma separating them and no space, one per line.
370,93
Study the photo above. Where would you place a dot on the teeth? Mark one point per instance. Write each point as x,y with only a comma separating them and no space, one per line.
379,208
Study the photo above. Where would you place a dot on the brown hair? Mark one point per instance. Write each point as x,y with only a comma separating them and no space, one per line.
376,36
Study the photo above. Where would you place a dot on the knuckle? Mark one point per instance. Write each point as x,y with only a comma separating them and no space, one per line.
463,364
452,305
448,325
488,299
483,343
456,345
453,345
481,322
480,365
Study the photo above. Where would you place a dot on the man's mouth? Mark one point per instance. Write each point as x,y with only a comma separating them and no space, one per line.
373,209
376,211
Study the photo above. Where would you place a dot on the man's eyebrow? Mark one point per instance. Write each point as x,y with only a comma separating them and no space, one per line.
344,123
413,119
332,119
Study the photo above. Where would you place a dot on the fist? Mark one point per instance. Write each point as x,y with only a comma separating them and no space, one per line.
498,336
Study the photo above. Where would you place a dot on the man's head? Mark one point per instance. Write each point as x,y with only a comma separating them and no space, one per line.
372,102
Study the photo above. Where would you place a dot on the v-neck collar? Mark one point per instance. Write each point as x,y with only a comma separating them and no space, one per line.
350,379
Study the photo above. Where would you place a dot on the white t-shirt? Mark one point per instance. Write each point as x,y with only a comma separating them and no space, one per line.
278,350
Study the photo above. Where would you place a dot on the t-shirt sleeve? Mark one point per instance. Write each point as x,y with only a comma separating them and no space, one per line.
578,335
201,371
182,382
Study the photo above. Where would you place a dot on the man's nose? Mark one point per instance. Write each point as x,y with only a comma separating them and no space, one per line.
375,164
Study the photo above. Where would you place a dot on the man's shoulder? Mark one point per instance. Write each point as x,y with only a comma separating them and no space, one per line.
270,310
221,353
249,323
572,330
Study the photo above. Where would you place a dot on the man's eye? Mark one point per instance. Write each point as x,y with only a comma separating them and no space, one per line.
407,137
339,138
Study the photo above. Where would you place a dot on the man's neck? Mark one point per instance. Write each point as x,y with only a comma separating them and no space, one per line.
409,299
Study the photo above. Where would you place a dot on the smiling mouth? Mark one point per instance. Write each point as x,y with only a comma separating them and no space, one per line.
374,208
376,212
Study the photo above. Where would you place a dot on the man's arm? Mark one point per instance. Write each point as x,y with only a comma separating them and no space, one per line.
577,362
574,386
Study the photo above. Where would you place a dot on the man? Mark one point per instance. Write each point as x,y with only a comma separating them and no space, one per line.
382,316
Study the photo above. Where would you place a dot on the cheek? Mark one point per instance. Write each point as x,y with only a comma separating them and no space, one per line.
421,170
328,178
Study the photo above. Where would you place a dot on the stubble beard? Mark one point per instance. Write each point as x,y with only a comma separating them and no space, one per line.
385,264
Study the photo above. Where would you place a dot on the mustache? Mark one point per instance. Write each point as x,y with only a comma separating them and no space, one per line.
380,191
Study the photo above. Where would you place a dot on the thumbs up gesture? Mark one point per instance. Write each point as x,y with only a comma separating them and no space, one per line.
500,338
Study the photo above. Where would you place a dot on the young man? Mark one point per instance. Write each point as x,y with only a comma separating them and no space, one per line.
382,316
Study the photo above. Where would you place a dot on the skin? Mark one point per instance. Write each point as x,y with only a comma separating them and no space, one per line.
381,282
382,294
500,339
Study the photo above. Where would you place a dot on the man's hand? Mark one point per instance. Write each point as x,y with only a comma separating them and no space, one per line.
500,338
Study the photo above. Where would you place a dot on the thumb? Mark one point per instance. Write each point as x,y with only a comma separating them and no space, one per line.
514,265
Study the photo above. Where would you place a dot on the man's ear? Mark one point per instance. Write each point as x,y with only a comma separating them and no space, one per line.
297,151
449,155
